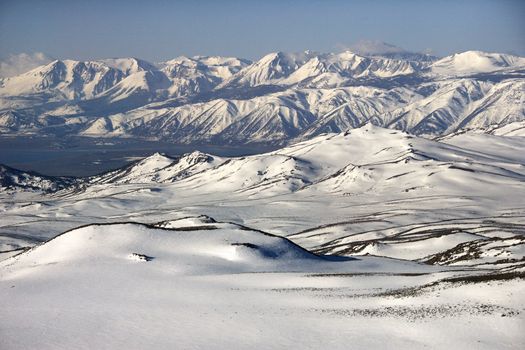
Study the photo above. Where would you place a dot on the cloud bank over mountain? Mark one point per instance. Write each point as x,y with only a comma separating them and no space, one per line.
16,64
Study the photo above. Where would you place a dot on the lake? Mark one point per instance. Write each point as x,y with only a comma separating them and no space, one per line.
77,156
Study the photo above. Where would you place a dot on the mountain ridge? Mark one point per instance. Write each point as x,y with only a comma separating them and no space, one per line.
281,98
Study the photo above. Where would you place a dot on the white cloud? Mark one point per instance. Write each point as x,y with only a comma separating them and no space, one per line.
375,47
21,63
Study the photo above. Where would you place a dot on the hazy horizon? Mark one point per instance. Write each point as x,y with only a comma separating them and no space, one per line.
160,30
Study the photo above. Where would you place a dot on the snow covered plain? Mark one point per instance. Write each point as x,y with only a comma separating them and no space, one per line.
419,243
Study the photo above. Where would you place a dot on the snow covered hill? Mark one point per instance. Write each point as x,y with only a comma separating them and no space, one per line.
188,250
138,286
278,99
364,237
159,168
467,187
470,62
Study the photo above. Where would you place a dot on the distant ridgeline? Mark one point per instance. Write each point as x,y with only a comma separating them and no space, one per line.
277,99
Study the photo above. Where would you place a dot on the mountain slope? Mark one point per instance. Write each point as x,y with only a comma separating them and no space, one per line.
342,69
268,70
13,180
131,279
69,79
366,160
471,62
159,168
368,190
277,99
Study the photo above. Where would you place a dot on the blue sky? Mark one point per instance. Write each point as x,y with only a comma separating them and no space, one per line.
158,30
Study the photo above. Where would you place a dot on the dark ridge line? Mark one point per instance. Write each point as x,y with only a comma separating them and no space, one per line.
335,243
418,225
474,248
206,217
324,257
399,175
152,226
14,250
465,279
431,233
351,274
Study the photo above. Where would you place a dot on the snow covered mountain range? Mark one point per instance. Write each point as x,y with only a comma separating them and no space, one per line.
280,98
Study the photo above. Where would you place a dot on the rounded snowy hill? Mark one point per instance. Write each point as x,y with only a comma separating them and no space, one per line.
178,249
190,286
187,246
470,62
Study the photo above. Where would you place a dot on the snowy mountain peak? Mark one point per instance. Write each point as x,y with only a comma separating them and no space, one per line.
159,168
279,98
156,160
269,68
197,157
470,62
129,65
67,78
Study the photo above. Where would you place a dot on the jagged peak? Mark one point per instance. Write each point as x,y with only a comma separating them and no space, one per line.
197,157
286,57
128,65
158,156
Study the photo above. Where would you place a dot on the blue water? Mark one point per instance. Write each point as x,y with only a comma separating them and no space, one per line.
84,157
